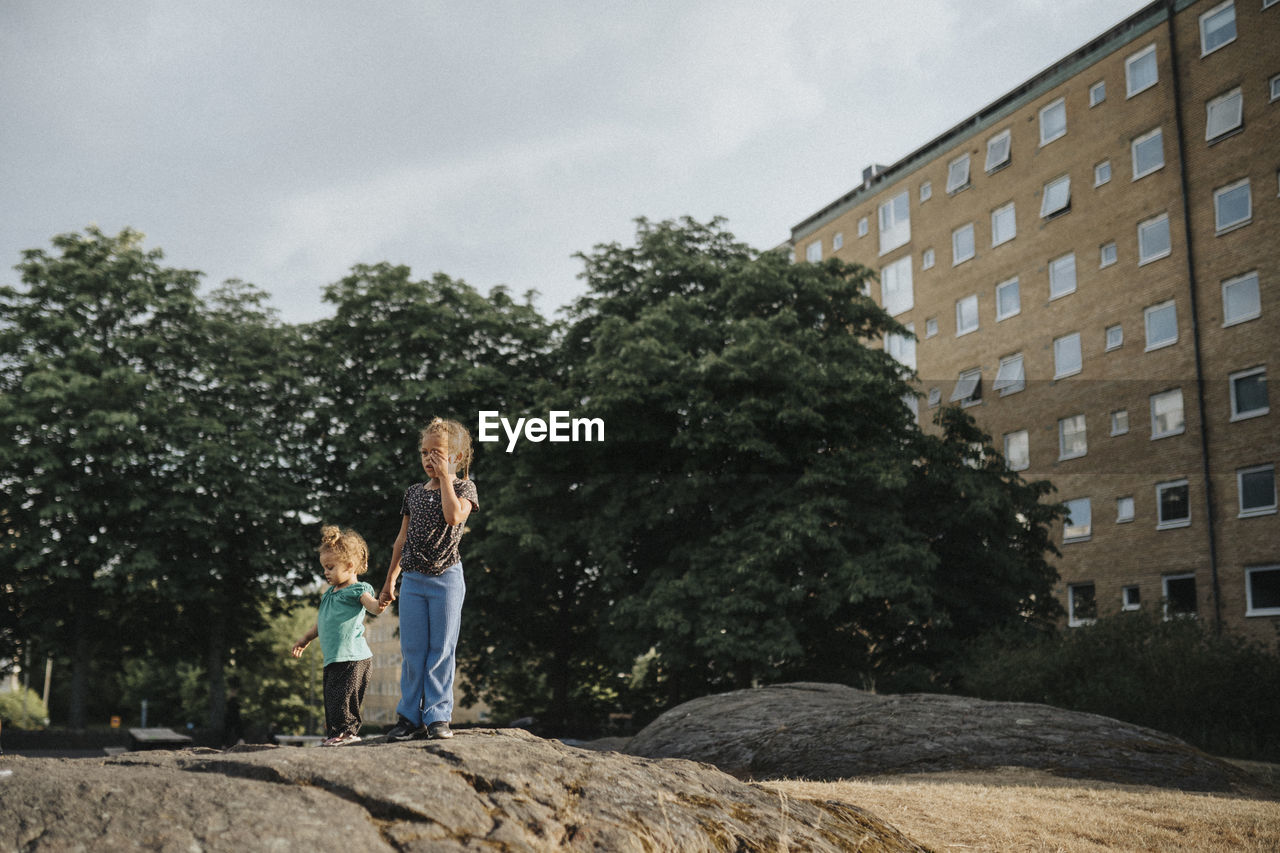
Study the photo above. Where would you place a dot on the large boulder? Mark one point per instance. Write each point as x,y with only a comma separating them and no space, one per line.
484,790
830,731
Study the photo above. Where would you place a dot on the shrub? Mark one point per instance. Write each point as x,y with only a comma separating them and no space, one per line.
1217,691
23,709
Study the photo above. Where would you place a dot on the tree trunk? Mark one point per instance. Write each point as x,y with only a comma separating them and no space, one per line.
82,645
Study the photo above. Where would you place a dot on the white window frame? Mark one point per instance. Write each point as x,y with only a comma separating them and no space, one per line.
1251,608
1172,524
1160,399
1120,422
1228,109
1107,255
1022,437
927,259
1055,198
1221,227
1062,276
1253,512
1131,62
926,191
837,242
1058,372
968,388
1274,85
1097,93
897,293
1011,377
1073,620
1205,50
1164,589
956,259
894,223
958,174
1003,287
1124,509
997,215
1126,603
813,252
1083,531
1139,141
931,327
902,348
962,306
1143,256
1102,173
863,227
999,151
1147,314
1114,337
1063,452
1232,379
1238,281
1059,104
935,397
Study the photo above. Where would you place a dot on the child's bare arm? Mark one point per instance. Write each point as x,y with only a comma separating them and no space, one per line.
373,605
388,593
301,646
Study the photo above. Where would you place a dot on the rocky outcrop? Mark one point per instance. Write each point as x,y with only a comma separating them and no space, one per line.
829,731
484,790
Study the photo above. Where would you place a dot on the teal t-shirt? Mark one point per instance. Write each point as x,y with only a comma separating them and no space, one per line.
341,624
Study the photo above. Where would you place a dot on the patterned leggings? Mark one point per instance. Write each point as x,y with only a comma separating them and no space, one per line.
345,682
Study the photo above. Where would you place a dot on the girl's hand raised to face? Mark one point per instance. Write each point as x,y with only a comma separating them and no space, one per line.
445,466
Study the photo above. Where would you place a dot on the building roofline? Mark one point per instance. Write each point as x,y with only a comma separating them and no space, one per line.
1123,33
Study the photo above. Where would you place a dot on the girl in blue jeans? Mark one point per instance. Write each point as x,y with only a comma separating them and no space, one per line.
431,592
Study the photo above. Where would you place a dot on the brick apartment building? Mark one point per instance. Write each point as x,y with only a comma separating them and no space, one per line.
1091,265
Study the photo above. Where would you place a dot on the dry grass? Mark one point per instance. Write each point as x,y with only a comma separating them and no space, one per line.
1016,809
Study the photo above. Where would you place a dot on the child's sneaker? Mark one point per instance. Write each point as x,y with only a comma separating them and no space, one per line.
403,730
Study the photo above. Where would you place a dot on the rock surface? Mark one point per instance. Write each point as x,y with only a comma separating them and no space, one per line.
484,790
829,731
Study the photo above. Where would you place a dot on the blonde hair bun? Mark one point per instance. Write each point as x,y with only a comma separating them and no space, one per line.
347,545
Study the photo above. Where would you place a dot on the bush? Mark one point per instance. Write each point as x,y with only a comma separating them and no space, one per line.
1219,692
23,709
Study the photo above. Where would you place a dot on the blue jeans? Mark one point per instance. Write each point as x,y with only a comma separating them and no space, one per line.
430,617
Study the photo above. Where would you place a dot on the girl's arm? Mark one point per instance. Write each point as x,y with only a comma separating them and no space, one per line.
374,605
388,593
455,509
300,646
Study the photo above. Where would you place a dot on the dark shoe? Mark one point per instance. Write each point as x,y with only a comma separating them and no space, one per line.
439,730
403,730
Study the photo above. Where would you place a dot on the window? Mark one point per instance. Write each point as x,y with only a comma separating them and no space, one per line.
1082,604
1179,595
1079,521
999,150
1004,225
968,390
895,222
837,242
958,174
1010,378
935,397
1148,153
1120,422
813,253
1102,173
1115,337
926,191
1217,28
1225,114
1062,276
1072,441
1249,394
1057,197
1097,93
1166,414
1124,509
1106,255
1130,598
895,286
902,347
1240,299
1257,489
1275,88
962,246
1153,239
1140,71
1053,121
1066,356
1232,205
1008,299
1173,505
1017,455
1162,325
862,227
966,315
931,327
1262,585
926,259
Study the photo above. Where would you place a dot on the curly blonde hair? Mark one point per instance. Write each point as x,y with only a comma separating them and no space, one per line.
459,439
346,545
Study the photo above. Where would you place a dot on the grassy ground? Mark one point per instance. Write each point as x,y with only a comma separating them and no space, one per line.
1017,809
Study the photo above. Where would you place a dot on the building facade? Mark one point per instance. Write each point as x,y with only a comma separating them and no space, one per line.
1090,266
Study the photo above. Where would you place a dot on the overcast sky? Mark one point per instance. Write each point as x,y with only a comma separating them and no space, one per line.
282,142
